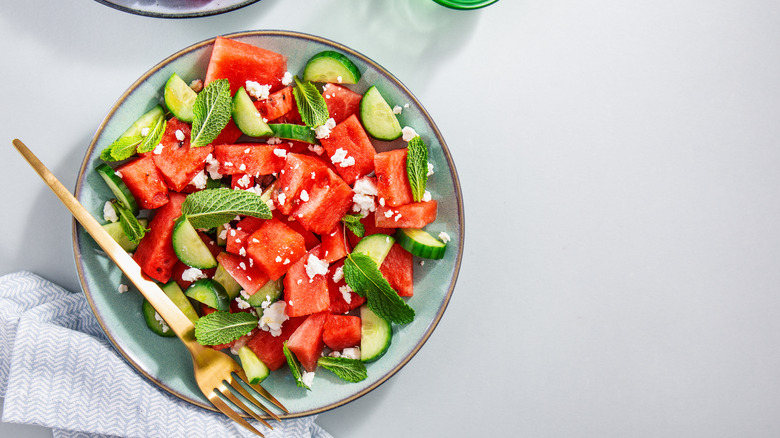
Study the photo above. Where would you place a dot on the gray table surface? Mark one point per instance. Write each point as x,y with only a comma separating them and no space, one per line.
619,163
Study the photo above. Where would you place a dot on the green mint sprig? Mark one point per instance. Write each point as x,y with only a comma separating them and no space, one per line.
211,112
362,275
122,149
295,367
352,222
417,167
311,104
351,370
213,207
154,136
223,327
130,225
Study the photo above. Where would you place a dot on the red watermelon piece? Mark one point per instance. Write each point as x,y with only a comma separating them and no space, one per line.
350,136
155,253
145,182
236,237
342,102
268,348
341,331
306,342
177,161
244,270
325,203
392,180
414,215
275,246
398,270
299,173
229,134
248,158
277,104
338,303
239,62
369,223
334,244
310,239
305,295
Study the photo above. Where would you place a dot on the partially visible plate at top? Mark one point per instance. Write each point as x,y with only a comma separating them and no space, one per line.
176,8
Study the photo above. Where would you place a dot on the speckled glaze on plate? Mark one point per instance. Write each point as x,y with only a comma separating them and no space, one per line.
176,8
165,361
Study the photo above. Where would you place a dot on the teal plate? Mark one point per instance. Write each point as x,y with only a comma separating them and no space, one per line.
165,361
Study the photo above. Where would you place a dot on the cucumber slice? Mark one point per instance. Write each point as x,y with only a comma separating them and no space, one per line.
375,246
154,321
147,120
420,243
176,295
330,66
116,231
210,293
375,335
189,247
247,117
288,131
223,277
377,116
253,367
179,98
270,292
118,187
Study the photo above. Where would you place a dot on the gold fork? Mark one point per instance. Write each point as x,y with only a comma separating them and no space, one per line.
213,369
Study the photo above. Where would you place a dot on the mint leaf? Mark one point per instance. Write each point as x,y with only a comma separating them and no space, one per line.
213,207
211,112
352,222
417,167
311,104
122,149
351,370
130,225
223,327
362,275
154,136
295,367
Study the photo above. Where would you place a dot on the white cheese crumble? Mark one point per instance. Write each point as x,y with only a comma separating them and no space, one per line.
408,133
307,378
430,168
192,274
281,198
212,167
244,181
351,353
339,79
196,85
274,140
200,180
109,214
346,293
242,303
426,196
340,157
163,325
314,266
317,149
397,109
158,149
389,213
323,131
144,131
281,153
364,191
223,234
258,91
278,259
287,78
444,237
304,195
179,135
338,274
123,288
118,173
273,317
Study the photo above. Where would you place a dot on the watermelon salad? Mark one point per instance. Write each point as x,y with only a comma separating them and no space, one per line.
257,199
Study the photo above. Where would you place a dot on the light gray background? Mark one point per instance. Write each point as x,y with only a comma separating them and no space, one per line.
619,163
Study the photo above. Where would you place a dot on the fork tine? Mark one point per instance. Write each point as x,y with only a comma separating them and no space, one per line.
262,391
222,406
252,399
226,392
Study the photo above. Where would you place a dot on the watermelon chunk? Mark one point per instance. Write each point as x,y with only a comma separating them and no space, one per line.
334,244
268,348
310,239
306,342
145,182
275,246
299,173
342,102
369,223
277,104
350,136
305,295
325,204
341,300
245,271
398,270
236,237
177,161
155,253
229,134
248,158
414,215
341,331
239,62
392,181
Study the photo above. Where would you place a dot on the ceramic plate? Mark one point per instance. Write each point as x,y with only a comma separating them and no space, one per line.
165,360
176,8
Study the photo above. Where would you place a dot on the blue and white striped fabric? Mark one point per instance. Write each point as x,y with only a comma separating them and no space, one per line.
58,370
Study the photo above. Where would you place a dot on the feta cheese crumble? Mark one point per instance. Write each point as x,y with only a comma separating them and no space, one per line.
192,274
430,168
340,157
346,293
323,131
338,274
245,181
179,135
426,196
364,191
397,109
273,317
444,237
212,167
109,214
123,288
304,195
200,180
274,140
307,378
158,149
144,131
408,133
314,266
281,153
259,92
287,78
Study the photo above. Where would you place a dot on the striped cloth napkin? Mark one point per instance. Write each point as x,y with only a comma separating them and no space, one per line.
58,370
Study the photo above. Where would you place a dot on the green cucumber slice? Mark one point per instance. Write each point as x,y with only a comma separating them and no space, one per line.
179,98
288,131
147,120
210,293
247,117
330,66
420,243
253,367
154,321
378,118
375,335
176,295
270,292
116,231
118,187
189,247
223,277
375,246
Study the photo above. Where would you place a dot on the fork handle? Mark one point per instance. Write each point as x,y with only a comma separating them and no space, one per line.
179,323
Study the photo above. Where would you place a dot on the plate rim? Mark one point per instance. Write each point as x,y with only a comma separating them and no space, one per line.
460,214
193,14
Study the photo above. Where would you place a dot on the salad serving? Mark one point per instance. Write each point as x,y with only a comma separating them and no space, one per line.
257,197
